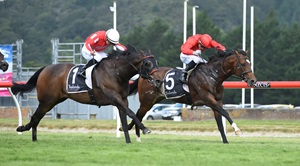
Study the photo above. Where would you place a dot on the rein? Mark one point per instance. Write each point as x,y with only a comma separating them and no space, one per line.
117,57
144,71
148,76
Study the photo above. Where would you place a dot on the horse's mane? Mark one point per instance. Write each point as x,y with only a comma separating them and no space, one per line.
221,54
130,49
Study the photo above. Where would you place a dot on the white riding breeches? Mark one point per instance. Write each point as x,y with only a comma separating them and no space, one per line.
98,55
188,58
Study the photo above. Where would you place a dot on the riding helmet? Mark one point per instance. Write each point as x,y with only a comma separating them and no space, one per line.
205,40
113,36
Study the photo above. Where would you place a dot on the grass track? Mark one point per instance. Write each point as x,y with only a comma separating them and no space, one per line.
63,148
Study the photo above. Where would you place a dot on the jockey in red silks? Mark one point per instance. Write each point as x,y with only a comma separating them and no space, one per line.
96,43
191,51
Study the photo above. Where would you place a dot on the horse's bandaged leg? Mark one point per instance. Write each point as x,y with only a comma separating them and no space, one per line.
236,129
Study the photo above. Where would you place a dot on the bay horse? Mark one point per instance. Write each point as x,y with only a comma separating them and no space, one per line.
3,64
205,86
110,86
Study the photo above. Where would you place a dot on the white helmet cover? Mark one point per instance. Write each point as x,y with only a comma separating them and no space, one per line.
113,36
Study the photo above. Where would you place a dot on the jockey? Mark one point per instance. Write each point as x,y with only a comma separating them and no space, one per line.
96,43
191,51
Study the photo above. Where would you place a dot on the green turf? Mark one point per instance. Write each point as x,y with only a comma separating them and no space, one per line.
287,126
61,148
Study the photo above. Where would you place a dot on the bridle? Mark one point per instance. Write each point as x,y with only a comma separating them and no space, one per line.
142,71
239,66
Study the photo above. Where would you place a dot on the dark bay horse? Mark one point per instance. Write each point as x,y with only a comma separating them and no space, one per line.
110,86
3,64
205,86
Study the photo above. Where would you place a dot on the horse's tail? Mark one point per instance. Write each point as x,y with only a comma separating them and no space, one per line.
133,87
29,86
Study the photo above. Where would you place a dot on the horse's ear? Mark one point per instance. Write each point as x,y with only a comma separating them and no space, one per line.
246,51
142,52
236,52
130,47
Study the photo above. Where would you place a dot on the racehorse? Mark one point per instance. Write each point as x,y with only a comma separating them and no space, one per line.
204,84
110,86
3,64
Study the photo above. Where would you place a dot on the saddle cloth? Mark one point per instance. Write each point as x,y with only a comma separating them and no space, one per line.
173,88
77,84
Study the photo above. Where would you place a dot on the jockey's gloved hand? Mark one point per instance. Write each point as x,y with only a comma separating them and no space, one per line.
197,52
120,47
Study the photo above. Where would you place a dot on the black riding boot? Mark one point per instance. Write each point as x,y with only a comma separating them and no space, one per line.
89,64
188,67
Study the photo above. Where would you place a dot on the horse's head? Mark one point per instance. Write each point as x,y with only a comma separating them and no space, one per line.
149,65
143,63
3,64
240,65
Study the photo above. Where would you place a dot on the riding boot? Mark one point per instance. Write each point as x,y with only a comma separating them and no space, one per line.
89,64
188,67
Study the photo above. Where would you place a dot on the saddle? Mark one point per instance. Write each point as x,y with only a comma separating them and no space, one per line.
173,87
77,84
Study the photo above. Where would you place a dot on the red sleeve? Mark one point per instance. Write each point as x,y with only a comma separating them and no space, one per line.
217,45
91,41
190,45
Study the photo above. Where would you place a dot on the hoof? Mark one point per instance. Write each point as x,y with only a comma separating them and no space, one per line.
238,132
146,131
121,129
20,129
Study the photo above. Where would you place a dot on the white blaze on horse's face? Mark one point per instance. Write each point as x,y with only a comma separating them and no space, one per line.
248,61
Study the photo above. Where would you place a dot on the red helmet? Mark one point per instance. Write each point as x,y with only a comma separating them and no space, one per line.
205,40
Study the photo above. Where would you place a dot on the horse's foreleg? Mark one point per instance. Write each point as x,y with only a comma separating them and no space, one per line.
131,124
137,130
218,118
137,122
140,114
224,113
237,131
124,125
217,107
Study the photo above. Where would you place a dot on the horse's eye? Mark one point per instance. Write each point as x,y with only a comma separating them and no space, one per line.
148,63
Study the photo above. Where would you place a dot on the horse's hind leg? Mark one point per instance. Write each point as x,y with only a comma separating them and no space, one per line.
34,121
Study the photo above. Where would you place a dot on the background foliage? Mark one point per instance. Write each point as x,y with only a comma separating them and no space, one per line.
157,25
